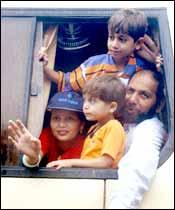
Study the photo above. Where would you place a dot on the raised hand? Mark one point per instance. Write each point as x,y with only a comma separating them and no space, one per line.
42,56
150,52
23,140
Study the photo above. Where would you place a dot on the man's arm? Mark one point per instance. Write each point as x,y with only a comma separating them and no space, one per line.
150,52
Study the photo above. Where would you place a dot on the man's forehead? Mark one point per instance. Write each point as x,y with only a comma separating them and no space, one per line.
143,81
142,75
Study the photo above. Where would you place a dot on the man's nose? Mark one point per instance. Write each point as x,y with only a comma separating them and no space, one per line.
133,98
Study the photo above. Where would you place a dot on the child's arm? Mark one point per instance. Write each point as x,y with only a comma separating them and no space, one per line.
104,161
24,141
50,73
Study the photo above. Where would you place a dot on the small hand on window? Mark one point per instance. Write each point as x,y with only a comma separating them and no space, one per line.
43,56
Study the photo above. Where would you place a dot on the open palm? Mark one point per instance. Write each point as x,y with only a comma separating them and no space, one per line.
23,139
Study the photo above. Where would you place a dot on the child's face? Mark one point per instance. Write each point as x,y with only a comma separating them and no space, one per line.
65,125
120,46
96,109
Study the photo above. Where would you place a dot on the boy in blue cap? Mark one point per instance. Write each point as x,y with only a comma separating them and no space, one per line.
63,139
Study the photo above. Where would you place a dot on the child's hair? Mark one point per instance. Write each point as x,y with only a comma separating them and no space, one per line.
128,21
107,88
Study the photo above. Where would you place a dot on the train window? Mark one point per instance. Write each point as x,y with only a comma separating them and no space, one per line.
81,33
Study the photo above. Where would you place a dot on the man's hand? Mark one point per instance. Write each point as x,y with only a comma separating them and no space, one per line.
150,52
23,140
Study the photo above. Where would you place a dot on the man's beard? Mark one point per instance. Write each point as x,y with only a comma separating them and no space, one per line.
140,117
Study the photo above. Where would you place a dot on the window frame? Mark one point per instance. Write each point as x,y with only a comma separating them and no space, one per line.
100,15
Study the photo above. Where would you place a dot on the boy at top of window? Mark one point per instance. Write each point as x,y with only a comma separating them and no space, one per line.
64,137
126,35
104,144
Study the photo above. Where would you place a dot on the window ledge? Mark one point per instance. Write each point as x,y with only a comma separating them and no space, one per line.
67,173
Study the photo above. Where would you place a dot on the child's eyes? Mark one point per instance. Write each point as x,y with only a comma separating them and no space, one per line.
122,39
92,100
111,37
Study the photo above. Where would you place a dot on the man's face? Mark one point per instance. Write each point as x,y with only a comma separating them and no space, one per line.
140,96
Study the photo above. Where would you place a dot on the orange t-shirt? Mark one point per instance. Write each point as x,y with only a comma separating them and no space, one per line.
108,139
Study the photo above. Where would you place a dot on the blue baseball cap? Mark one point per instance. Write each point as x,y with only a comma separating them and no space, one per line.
67,100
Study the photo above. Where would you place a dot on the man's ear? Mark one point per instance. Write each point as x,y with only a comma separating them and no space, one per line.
138,43
113,107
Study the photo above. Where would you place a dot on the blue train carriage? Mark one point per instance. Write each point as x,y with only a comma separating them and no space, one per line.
25,92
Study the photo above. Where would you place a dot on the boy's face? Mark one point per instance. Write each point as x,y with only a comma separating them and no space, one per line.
65,124
96,109
120,46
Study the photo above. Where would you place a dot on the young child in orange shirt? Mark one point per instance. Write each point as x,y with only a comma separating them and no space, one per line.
104,144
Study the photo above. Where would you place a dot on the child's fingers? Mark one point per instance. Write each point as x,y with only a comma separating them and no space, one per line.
43,49
59,167
43,58
52,164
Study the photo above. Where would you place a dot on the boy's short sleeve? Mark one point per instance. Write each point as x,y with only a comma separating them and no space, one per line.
114,141
109,139
92,67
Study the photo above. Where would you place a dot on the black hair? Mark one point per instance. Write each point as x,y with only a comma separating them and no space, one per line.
130,21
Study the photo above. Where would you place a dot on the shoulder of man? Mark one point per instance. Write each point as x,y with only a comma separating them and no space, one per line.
151,127
150,122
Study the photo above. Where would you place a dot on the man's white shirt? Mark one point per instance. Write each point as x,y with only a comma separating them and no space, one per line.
139,163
